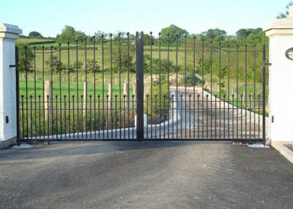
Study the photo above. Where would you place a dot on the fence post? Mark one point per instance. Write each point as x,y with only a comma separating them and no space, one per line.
84,103
109,108
280,33
48,105
8,100
133,93
125,92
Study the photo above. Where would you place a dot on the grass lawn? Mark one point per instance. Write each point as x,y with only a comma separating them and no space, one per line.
37,88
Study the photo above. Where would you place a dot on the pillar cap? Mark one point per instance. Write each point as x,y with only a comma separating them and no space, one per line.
282,26
7,28
9,31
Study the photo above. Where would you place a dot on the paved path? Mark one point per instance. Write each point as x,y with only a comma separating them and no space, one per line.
144,175
206,117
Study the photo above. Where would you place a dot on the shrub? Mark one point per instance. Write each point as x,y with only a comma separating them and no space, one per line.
35,34
76,65
55,65
92,65
190,80
160,106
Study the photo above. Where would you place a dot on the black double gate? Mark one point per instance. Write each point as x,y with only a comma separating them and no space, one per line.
141,87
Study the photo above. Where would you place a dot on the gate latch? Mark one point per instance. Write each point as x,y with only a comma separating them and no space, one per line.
267,63
12,65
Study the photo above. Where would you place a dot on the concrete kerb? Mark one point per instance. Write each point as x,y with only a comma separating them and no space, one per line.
285,151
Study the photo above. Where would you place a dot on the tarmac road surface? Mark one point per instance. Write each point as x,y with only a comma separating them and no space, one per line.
144,175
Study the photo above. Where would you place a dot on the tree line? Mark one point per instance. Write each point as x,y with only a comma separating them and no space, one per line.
170,33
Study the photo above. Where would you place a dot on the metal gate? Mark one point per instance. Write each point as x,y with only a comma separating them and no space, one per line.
141,87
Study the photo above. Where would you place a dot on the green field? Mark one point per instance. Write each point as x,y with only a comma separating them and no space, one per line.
32,40
35,83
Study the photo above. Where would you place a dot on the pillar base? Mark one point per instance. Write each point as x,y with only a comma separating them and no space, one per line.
8,143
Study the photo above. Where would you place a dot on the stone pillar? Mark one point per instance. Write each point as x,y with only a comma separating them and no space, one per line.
8,126
280,33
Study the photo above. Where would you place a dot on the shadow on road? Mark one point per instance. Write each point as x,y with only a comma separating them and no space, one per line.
69,149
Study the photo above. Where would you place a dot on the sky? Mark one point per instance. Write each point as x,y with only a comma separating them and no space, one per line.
50,16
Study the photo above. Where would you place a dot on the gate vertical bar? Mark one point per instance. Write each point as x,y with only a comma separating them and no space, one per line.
17,97
139,87
264,95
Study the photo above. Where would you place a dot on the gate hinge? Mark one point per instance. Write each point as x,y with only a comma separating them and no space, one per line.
12,65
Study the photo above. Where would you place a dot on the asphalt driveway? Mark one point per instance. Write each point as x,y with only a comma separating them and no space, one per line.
144,175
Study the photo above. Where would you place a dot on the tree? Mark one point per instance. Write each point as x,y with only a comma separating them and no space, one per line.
215,34
173,30
98,36
251,35
116,36
148,40
158,65
25,57
54,64
35,34
92,65
256,36
121,59
76,65
132,36
242,34
284,15
70,34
